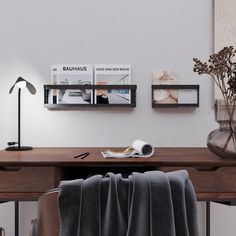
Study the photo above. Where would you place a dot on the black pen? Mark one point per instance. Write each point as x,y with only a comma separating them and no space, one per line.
83,155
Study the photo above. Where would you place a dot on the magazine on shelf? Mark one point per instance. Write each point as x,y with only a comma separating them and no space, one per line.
112,75
166,96
138,148
72,75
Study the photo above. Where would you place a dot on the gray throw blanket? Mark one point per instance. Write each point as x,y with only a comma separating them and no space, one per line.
149,204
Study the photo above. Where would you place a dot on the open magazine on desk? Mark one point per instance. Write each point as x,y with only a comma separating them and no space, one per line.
138,148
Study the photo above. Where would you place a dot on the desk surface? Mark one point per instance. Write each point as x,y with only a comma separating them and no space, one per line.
27,175
65,157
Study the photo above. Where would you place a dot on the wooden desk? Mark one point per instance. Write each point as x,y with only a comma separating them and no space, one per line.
27,175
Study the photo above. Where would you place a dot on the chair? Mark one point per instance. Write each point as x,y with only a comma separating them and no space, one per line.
2,231
48,216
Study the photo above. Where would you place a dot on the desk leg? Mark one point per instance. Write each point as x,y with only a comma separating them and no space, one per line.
208,218
16,218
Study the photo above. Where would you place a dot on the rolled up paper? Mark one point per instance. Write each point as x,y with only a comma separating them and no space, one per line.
144,148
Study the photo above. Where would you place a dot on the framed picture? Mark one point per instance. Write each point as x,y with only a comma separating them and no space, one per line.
72,75
112,75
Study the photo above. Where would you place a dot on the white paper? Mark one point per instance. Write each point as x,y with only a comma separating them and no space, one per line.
187,96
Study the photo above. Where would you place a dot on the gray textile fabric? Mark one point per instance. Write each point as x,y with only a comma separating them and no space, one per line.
149,204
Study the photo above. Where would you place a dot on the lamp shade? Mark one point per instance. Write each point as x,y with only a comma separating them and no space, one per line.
29,86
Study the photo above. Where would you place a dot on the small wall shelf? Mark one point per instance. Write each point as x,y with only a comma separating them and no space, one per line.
52,105
182,96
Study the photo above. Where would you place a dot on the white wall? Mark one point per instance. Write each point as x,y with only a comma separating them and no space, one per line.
7,218
148,35
28,212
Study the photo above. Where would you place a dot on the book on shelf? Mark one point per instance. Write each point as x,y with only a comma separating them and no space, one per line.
109,74
70,74
138,148
165,96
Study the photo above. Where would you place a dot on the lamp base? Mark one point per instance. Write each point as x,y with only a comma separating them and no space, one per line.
21,148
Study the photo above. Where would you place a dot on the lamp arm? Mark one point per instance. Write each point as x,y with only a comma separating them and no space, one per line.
19,117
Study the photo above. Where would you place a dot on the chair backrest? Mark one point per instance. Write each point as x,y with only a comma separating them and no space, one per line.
48,219
2,231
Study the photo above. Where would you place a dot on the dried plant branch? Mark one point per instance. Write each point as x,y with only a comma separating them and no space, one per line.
222,68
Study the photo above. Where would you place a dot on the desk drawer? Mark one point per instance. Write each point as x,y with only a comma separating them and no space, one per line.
211,180
28,179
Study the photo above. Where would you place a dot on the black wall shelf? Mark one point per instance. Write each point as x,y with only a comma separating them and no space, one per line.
175,87
55,106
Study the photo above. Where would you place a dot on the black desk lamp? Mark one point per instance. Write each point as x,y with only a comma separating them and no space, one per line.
20,83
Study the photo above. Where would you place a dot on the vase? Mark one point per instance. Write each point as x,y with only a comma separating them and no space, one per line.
222,140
